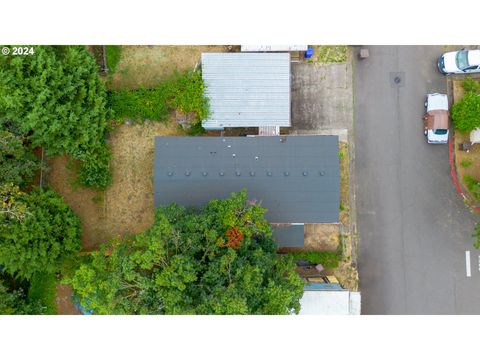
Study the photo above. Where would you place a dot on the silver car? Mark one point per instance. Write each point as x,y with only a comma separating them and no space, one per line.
460,62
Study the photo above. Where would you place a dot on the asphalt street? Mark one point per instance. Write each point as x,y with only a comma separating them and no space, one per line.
414,229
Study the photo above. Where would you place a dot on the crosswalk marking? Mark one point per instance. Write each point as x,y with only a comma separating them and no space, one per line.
467,263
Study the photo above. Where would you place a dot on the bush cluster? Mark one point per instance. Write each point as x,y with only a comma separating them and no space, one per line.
183,92
466,112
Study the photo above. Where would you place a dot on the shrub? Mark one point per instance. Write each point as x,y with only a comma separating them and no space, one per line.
472,185
471,86
466,163
329,260
182,92
466,113
43,291
95,169
113,53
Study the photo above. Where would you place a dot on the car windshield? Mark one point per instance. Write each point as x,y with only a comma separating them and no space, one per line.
440,131
462,60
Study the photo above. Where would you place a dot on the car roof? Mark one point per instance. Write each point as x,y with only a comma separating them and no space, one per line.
437,102
474,57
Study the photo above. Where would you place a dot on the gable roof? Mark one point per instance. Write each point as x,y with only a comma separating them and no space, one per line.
247,89
297,178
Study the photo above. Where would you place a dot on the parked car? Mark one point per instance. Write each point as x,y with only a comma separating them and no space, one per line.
460,62
435,120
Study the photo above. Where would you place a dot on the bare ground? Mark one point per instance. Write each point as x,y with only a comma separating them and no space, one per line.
321,237
64,302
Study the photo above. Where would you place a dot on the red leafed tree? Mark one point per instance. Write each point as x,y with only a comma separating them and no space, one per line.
234,238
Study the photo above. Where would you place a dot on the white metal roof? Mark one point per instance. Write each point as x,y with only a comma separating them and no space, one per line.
247,89
330,302
256,48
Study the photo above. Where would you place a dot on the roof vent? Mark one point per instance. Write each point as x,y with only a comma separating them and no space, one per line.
256,157
221,173
283,139
322,173
238,173
204,173
170,173
234,155
305,173
252,173
286,173
269,173
187,173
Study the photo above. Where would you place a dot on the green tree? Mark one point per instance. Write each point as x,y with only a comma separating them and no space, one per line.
14,299
219,260
466,113
17,163
56,98
41,240
11,205
15,302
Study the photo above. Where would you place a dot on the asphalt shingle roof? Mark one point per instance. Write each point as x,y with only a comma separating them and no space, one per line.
297,178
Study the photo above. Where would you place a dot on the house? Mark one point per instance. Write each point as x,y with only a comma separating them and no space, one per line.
247,90
297,178
329,299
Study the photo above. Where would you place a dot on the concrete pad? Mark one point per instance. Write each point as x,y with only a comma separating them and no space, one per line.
322,96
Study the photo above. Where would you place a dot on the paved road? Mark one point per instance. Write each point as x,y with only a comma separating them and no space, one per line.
413,227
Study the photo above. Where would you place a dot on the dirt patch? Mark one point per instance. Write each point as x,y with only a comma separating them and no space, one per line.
64,301
321,237
347,275
127,205
84,202
147,66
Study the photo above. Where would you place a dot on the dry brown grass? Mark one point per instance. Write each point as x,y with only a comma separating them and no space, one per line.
321,237
127,205
344,183
147,66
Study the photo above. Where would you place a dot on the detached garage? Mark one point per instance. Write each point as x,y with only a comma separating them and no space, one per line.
247,89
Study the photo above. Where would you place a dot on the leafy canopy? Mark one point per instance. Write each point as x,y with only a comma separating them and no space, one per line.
17,163
219,260
48,232
57,100
15,302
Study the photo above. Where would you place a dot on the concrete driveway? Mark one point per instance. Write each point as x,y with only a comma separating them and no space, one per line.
322,98
414,230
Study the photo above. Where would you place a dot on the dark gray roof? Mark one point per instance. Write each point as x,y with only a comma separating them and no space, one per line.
289,236
297,178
